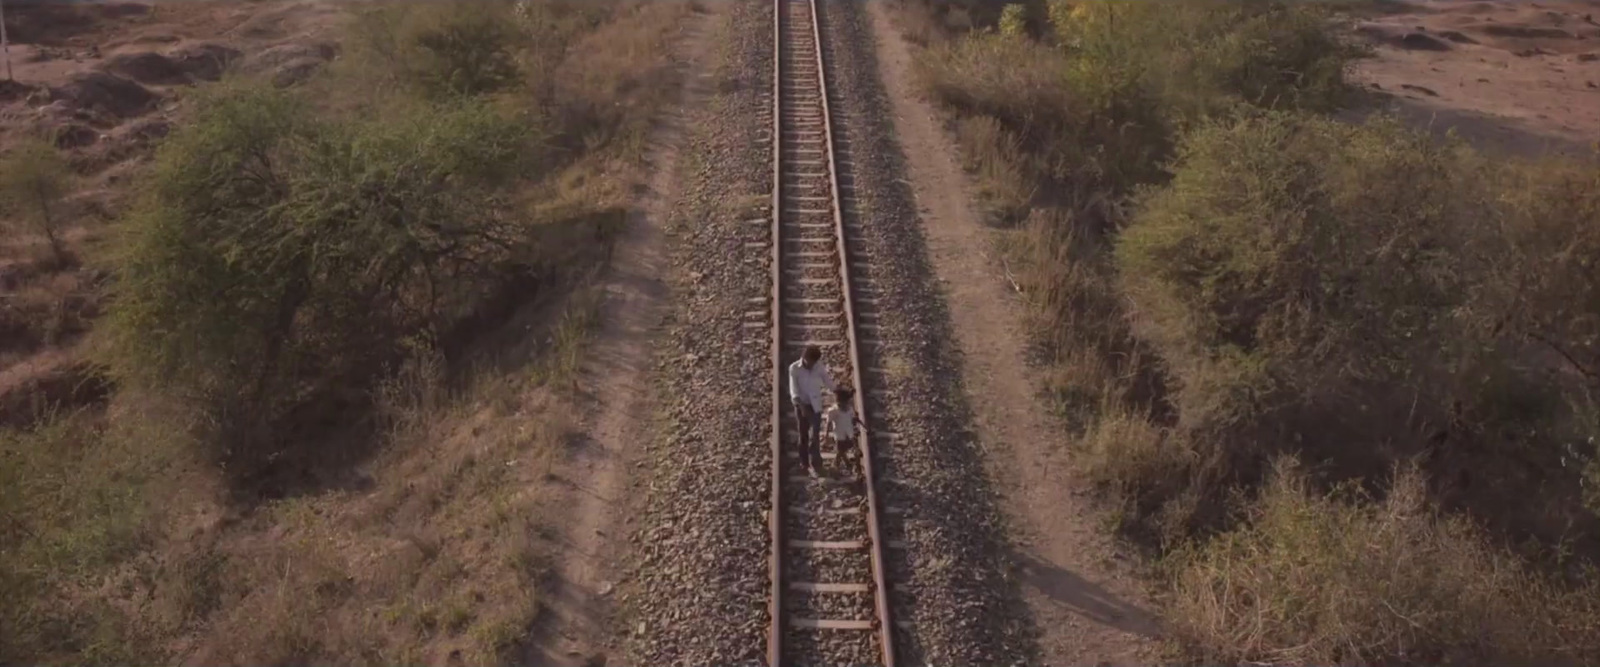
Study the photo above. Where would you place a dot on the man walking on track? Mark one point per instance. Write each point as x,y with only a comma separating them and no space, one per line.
808,377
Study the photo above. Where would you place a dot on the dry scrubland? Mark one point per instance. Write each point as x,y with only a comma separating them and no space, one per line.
1337,379
306,358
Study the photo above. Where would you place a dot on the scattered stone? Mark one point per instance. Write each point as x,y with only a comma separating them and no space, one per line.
116,10
149,129
1416,41
148,68
189,64
701,551
205,62
291,63
1525,32
952,526
1420,89
1457,37
73,135
107,93
11,91
295,71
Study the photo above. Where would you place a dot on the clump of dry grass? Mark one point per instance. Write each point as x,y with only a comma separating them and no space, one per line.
421,544
1325,579
1343,293
436,558
1222,277
81,506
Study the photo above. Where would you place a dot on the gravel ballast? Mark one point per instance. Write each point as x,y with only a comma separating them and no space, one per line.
964,609
697,593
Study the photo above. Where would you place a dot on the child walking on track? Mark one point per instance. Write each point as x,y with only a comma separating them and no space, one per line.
842,422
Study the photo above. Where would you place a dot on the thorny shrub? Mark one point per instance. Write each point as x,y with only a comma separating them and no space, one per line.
1222,277
282,259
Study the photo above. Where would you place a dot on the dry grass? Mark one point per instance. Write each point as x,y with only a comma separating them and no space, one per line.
82,503
1319,579
44,305
1379,301
123,544
433,556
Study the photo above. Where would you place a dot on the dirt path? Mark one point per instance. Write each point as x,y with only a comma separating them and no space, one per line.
1085,610
577,628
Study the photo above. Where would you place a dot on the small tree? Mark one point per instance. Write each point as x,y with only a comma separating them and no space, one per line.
281,261
33,179
445,50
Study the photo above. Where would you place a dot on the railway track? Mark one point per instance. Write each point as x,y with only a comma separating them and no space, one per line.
829,559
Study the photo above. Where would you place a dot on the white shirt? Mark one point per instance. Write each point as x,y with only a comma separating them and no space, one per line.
843,420
806,384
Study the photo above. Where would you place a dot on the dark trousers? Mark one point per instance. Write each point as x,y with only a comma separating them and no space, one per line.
809,423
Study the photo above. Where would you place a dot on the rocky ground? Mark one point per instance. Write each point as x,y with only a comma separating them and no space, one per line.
698,586
1520,78
105,78
963,606
697,590
105,81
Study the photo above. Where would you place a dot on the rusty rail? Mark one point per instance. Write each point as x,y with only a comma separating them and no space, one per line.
787,198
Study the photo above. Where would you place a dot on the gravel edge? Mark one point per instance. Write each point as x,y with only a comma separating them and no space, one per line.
965,607
697,586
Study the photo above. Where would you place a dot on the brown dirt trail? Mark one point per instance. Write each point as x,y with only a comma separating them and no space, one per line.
1086,611
616,378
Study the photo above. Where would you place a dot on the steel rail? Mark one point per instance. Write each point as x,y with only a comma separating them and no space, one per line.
776,512
880,591
883,625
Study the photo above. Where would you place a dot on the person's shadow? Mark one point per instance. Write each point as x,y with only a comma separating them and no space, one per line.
1082,597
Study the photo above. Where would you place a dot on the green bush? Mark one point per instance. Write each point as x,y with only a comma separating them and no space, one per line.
443,50
1100,108
1540,253
1538,299
281,259
1203,56
1356,296
1296,259
1279,56
1308,283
